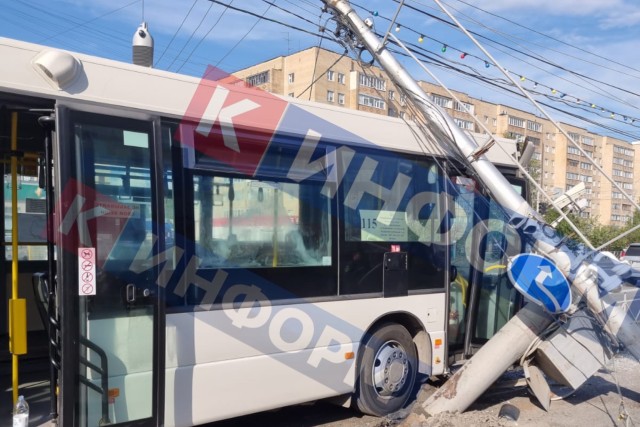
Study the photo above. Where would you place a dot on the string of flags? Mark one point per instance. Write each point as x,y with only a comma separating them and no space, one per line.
564,96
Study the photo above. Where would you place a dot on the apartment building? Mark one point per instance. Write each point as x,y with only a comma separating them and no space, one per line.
559,163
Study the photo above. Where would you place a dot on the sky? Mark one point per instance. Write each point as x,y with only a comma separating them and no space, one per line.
579,57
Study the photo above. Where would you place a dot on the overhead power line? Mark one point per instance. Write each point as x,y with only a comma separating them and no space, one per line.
176,32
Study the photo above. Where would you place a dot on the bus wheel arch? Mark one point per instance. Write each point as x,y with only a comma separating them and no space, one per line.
393,352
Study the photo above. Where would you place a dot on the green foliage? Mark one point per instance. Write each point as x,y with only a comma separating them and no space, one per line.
597,233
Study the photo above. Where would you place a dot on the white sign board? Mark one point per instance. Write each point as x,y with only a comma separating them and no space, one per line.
383,226
86,271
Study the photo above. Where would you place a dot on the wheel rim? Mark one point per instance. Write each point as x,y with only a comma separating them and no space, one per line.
390,369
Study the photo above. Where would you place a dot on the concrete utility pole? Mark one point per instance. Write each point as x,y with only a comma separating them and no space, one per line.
587,272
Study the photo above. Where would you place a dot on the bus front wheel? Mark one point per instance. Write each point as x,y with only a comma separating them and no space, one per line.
387,370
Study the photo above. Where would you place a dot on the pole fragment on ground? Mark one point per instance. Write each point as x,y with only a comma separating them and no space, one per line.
505,348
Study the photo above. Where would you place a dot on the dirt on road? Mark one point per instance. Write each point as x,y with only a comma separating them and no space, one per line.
609,398
595,404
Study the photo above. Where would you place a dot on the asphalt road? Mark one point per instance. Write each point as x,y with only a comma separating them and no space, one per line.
597,403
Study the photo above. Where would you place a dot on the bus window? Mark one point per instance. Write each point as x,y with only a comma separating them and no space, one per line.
392,202
249,223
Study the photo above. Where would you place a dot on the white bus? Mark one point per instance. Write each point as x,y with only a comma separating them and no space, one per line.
220,251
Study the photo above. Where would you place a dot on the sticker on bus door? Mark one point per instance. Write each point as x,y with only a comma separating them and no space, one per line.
86,271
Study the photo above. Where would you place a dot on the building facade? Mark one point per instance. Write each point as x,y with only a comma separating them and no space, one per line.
558,163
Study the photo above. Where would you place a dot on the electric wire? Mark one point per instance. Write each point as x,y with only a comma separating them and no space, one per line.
245,34
573,115
449,23
516,40
37,20
495,84
191,36
248,12
176,32
84,23
321,75
215,24
533,30
493,42
541,59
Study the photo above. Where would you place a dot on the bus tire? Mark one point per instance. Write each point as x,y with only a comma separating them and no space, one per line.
387,370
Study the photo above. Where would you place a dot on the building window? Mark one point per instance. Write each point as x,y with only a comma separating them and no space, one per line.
402,115
463,124
442,101
292,77
573,150
391,95
587,140
329,96
464,107
516,121
623,162
515,135
371,101
574,136
372,81
341,78
587,166
534,126
622,150
331,75
291,94
258,79
341,98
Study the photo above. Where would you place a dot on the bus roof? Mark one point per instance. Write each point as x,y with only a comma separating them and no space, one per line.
112,83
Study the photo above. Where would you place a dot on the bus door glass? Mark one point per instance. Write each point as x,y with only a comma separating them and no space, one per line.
463,217
481,297
108,223
498,300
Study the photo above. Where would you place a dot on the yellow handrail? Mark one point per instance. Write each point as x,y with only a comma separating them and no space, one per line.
17,306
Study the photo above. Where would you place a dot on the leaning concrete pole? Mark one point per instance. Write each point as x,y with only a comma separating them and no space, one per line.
509,344
485,367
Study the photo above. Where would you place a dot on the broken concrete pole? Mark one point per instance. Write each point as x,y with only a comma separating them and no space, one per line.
491,361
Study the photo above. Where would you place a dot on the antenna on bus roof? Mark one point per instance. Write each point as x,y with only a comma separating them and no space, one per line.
142,46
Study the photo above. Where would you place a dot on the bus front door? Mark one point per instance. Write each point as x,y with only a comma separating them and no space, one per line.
107,216
481,297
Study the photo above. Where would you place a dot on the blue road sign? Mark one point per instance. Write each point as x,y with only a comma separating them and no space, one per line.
540,281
